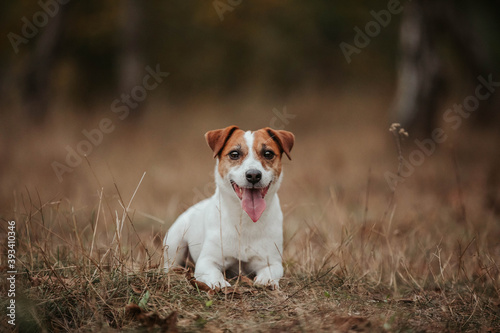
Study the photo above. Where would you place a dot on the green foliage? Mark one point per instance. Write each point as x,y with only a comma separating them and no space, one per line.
144,300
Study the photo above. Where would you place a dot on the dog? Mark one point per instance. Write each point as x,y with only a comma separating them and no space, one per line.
240,227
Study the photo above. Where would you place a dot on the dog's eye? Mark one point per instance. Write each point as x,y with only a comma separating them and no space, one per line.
234,155
268,154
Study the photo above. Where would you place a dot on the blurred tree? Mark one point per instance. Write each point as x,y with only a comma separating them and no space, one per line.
39,69
271,47
493,183
131,61
421,78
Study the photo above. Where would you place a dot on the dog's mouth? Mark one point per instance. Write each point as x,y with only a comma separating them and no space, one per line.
240,191
252,199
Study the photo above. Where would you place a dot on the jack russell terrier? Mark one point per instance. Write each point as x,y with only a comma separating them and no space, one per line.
240,227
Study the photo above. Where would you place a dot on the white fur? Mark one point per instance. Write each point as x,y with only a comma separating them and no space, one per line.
221,236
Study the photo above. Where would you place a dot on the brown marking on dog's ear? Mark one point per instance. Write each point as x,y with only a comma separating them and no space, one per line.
284,139
216,139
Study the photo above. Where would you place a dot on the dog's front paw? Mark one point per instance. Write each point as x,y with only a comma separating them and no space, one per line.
267,281
216,284
213,281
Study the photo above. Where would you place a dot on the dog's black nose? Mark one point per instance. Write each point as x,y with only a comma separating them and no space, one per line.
253,176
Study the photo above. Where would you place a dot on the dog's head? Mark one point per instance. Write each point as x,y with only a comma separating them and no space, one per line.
249,163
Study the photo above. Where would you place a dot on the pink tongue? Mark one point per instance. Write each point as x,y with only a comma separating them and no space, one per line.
253,203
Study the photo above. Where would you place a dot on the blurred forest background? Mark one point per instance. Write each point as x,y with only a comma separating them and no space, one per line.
63,65
103,108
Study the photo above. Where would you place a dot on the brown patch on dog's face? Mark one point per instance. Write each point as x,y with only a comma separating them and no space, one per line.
284,139
233,153
267,151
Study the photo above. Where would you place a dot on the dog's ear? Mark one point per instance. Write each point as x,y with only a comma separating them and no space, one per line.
284,139
217,139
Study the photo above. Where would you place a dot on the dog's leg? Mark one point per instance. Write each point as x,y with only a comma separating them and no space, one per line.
209,272
175,247
268,274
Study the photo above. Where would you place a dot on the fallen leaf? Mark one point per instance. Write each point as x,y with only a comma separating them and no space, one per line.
405,300
150,319
136,289
246,280
237,290
203,287
354,323
132,310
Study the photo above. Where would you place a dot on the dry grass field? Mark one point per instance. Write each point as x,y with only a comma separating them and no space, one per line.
358,256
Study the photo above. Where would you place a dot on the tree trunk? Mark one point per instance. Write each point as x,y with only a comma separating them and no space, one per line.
420,79
37,80
130,59
425,24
